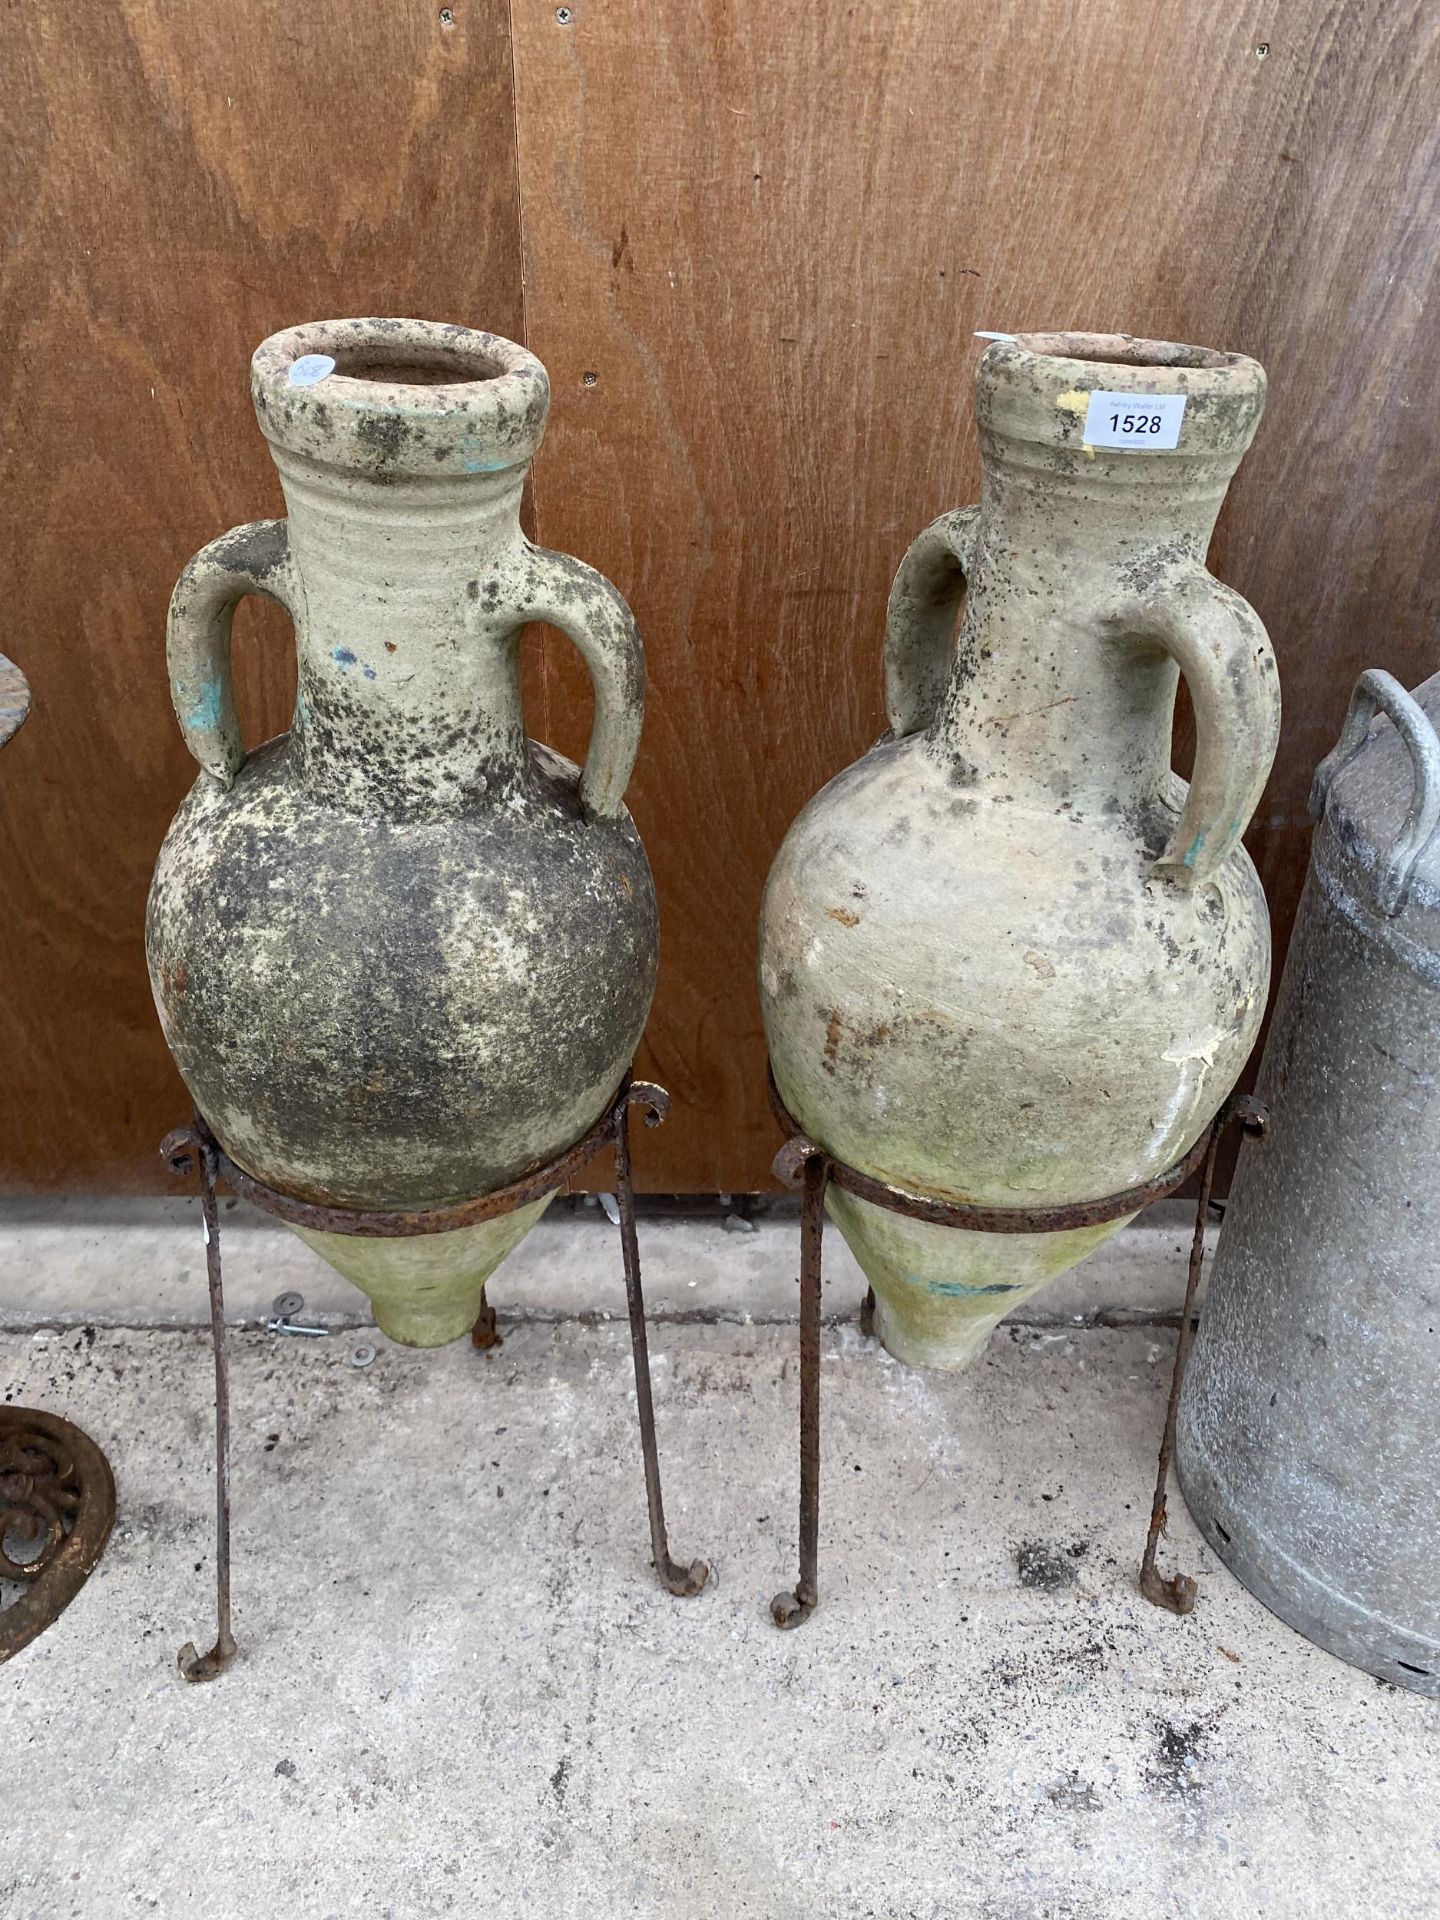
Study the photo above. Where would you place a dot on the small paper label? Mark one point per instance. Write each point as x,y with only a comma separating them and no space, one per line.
994,336
1147,420
311,368
205,1229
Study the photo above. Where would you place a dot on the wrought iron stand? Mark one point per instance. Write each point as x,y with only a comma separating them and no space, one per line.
801,1163
192,1147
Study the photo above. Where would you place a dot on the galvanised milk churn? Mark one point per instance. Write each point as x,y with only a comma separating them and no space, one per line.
1007,957
402,955
1308,1442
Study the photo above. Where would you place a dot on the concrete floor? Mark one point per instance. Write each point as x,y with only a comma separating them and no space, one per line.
461,1691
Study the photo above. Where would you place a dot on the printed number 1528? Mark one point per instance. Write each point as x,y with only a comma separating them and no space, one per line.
1136,422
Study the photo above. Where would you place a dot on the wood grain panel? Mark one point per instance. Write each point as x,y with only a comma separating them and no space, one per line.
178,182
758,241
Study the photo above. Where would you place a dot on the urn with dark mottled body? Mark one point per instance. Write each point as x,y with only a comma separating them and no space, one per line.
402,954
1007,957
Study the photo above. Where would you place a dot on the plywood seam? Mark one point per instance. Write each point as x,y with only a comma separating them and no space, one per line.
520,215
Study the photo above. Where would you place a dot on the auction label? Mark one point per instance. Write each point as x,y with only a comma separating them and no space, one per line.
1149,420
310,369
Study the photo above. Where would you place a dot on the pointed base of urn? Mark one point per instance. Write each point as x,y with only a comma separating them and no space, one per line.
426,1289
940,1292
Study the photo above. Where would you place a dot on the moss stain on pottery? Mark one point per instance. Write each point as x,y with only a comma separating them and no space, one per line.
402,954
1008,957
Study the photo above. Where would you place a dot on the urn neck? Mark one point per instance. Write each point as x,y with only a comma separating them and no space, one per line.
1046,701
398,706
402,449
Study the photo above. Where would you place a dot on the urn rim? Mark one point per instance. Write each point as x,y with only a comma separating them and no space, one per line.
422,398
1036,387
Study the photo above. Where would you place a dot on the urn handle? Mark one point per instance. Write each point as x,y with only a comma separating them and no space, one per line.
1221,647
562,592
253,559
1379,692
920,618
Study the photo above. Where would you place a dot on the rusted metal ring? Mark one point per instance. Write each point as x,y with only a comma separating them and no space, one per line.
49,1472
1249,1113
404,1223
790,1161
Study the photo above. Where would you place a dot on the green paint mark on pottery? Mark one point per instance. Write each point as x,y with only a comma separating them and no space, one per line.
957,1289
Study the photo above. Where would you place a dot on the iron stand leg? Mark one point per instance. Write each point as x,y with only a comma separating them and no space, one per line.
867,1314
485,1334
1177,1594
193,1665
681,1581
791,1609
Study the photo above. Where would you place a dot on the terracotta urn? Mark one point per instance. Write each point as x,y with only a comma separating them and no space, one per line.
1007,957
402,954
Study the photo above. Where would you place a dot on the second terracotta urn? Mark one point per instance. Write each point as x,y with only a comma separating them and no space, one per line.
1008,957
402,954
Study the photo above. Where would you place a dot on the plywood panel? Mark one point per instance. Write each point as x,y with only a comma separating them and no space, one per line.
179,181
757,243
758,240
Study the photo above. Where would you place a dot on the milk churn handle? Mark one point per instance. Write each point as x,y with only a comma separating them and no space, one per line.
1220,646
560,591
920,619
253,559
1379,692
